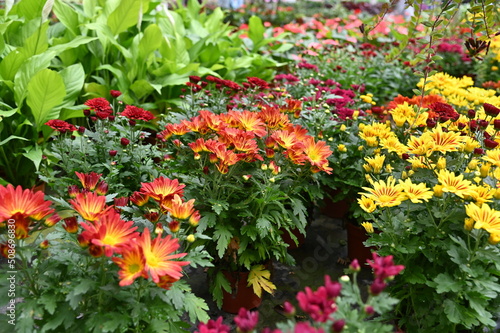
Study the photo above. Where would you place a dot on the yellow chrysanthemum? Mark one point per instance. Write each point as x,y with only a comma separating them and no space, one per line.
493,156
375,163
368,227
385,194
367,204
481,194
392,144
444,141
485,218
469,144
416,192
422,145
454,184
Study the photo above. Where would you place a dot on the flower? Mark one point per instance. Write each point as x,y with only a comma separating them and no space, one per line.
89,181
159,254
485,218
385,194
416,192
109,231
22,206
136,113
384,267
454,184
89,205
179,209
60,126
132,264
162,189
213,326
246,320
100,106
368,227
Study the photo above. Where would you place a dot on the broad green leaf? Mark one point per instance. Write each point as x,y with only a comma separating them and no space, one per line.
29,9
12,137
124,16
95,90
46,90
27,71
259,279
7,114
73,78
142,88
34,154
256,30
151,41
11,63
67,16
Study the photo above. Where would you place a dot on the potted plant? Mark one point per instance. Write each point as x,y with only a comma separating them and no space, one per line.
436,210
250,173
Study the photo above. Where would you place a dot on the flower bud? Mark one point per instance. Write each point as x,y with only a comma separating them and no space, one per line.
124,141
338,325
190,238
441,163
174,226
438,190
102,188
472,164
263,166
115,93
468,224
70,225
73,191
113,153
82,241
377,287
484,170
159,228
342,148
96,251
368,227
152,216
488,143
369,310
354,266
289,309
44,245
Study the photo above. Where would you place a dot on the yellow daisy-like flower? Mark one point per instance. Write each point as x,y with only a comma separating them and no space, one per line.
493,156
416,192
368,227
376,163
378,130
418,162
385,194
485,218
454,184
392,144
367,204
444,141
469,144
422,145
481,194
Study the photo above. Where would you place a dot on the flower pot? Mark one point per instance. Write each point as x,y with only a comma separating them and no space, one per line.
242,296
301,238
335,209
356,235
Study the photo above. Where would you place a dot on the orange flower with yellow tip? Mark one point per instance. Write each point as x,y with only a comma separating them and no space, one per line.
416,192
485,218
286,139
212,120
22,206
179,209
132,264
454,184
89,181
89,205
368,205
197,124
163,189
385,194
317,154
158,254
249,121
273,117
110,232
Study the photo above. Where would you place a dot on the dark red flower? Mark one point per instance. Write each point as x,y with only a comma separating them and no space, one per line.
115,93
488,143
60,125
100,106
194,79
134,112
256,82
113,153
496,124
338,325
124,141
377,287
491,110
443,111
479,151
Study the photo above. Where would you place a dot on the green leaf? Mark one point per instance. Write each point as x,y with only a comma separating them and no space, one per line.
12,137
73,78
151,41
196,307
11,63
84,286
125,16
445,283
256,30
67,16
220,283
37,43
222,237
35,155
49,302
264,225
46,90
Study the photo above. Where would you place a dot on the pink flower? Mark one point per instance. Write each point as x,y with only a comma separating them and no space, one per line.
213,326
246,320
383,267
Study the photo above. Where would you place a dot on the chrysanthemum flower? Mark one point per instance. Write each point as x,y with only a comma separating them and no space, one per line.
493,156
416,192
132,264
286,139
89,205
317,154
136,113
454,184
158,256
385,194
212,120
422,145
100,106
163,189
273,117
110,231
368,205
179,209
89,180
485,218
392,144
249,121
60,126
22,206
444,141
481,194
376,163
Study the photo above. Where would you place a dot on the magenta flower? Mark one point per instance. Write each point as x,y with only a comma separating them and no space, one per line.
213,326
246,320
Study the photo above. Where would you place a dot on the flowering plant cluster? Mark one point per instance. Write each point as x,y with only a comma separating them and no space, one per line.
334,307
97,270
433,197
115,143
253,174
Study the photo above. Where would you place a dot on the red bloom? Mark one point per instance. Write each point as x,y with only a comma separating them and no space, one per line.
256,82
246,320
89,180
134,112
488,143
491,110
442,112
100,106
383,267
60,126
124,141
115,93
213,326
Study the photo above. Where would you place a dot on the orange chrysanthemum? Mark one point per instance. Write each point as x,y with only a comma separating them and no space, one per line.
89,180
179,209
131,264
317,154
287,139
273,117
158,256
89,205
163,189
212,120
250,122
109,231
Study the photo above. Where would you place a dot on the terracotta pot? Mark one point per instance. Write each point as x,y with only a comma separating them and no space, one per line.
356,235
301,238
335,209
242,296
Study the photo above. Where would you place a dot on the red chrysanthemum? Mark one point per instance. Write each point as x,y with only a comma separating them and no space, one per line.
134,112
100,106
60,125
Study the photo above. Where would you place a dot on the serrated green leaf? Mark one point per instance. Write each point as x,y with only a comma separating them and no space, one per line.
259,279
196,307
220,283
222,237
445,283
49,302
